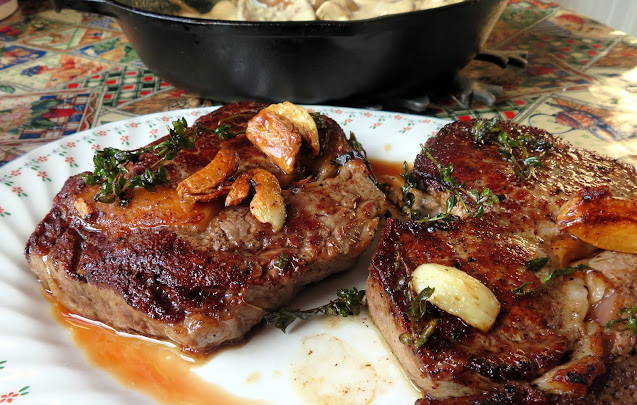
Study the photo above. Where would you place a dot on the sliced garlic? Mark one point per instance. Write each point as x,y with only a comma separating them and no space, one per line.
278,131
302,121
458,293
267,205
203,184
597,217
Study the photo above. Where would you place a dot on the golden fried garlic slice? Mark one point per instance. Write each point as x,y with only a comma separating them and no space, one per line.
267,205
604,221
458,293
203,185
278,131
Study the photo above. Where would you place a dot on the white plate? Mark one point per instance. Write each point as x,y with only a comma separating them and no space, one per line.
39,362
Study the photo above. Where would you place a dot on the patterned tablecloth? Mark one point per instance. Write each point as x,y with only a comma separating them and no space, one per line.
65,72
61,73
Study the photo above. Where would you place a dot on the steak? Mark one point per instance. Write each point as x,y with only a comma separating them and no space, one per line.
199,273
549,343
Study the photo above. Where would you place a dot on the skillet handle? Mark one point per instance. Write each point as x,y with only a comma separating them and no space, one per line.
104,7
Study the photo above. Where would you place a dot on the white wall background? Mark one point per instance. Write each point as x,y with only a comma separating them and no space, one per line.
620,14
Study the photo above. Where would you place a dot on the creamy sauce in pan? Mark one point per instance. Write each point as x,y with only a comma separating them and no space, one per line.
307,10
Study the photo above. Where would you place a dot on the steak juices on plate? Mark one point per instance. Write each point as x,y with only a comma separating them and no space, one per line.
240,223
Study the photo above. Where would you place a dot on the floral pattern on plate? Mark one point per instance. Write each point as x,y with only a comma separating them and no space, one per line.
37,355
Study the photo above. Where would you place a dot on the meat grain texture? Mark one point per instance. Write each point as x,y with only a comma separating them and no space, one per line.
549,347
198,273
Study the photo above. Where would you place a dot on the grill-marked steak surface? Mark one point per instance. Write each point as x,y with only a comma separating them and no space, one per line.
197,273
547,347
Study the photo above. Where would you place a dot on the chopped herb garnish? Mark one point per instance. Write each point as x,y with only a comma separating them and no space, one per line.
347,303
516,150
410,182
318,119
420,338
521,289
416,311
224,132
536,265
548,280
281,261
456,189
112,166
630,320
421,328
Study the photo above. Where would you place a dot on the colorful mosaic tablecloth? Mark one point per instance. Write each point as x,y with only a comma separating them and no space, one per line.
65,72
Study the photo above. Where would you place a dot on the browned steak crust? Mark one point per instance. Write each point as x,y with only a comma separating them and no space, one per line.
548,347
199,273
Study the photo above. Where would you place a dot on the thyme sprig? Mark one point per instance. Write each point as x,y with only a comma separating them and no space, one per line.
410,182
548,280
420,333
630,320
457,189
514,149
348,302
421,328
537,264
281,261
223,130
112,166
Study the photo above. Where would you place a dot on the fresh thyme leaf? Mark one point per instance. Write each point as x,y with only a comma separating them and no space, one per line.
281,261
347,303
536,265
419,304
478,198
356,145
421,328
111,166
224,131
318,119
416,311
520,290
283,318
532,161
564,272
515,150
548,280
421,338
410,182
630,320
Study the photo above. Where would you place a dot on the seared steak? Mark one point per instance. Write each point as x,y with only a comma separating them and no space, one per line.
549,343
196,272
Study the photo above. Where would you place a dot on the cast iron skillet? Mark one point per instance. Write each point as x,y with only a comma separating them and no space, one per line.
305,62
